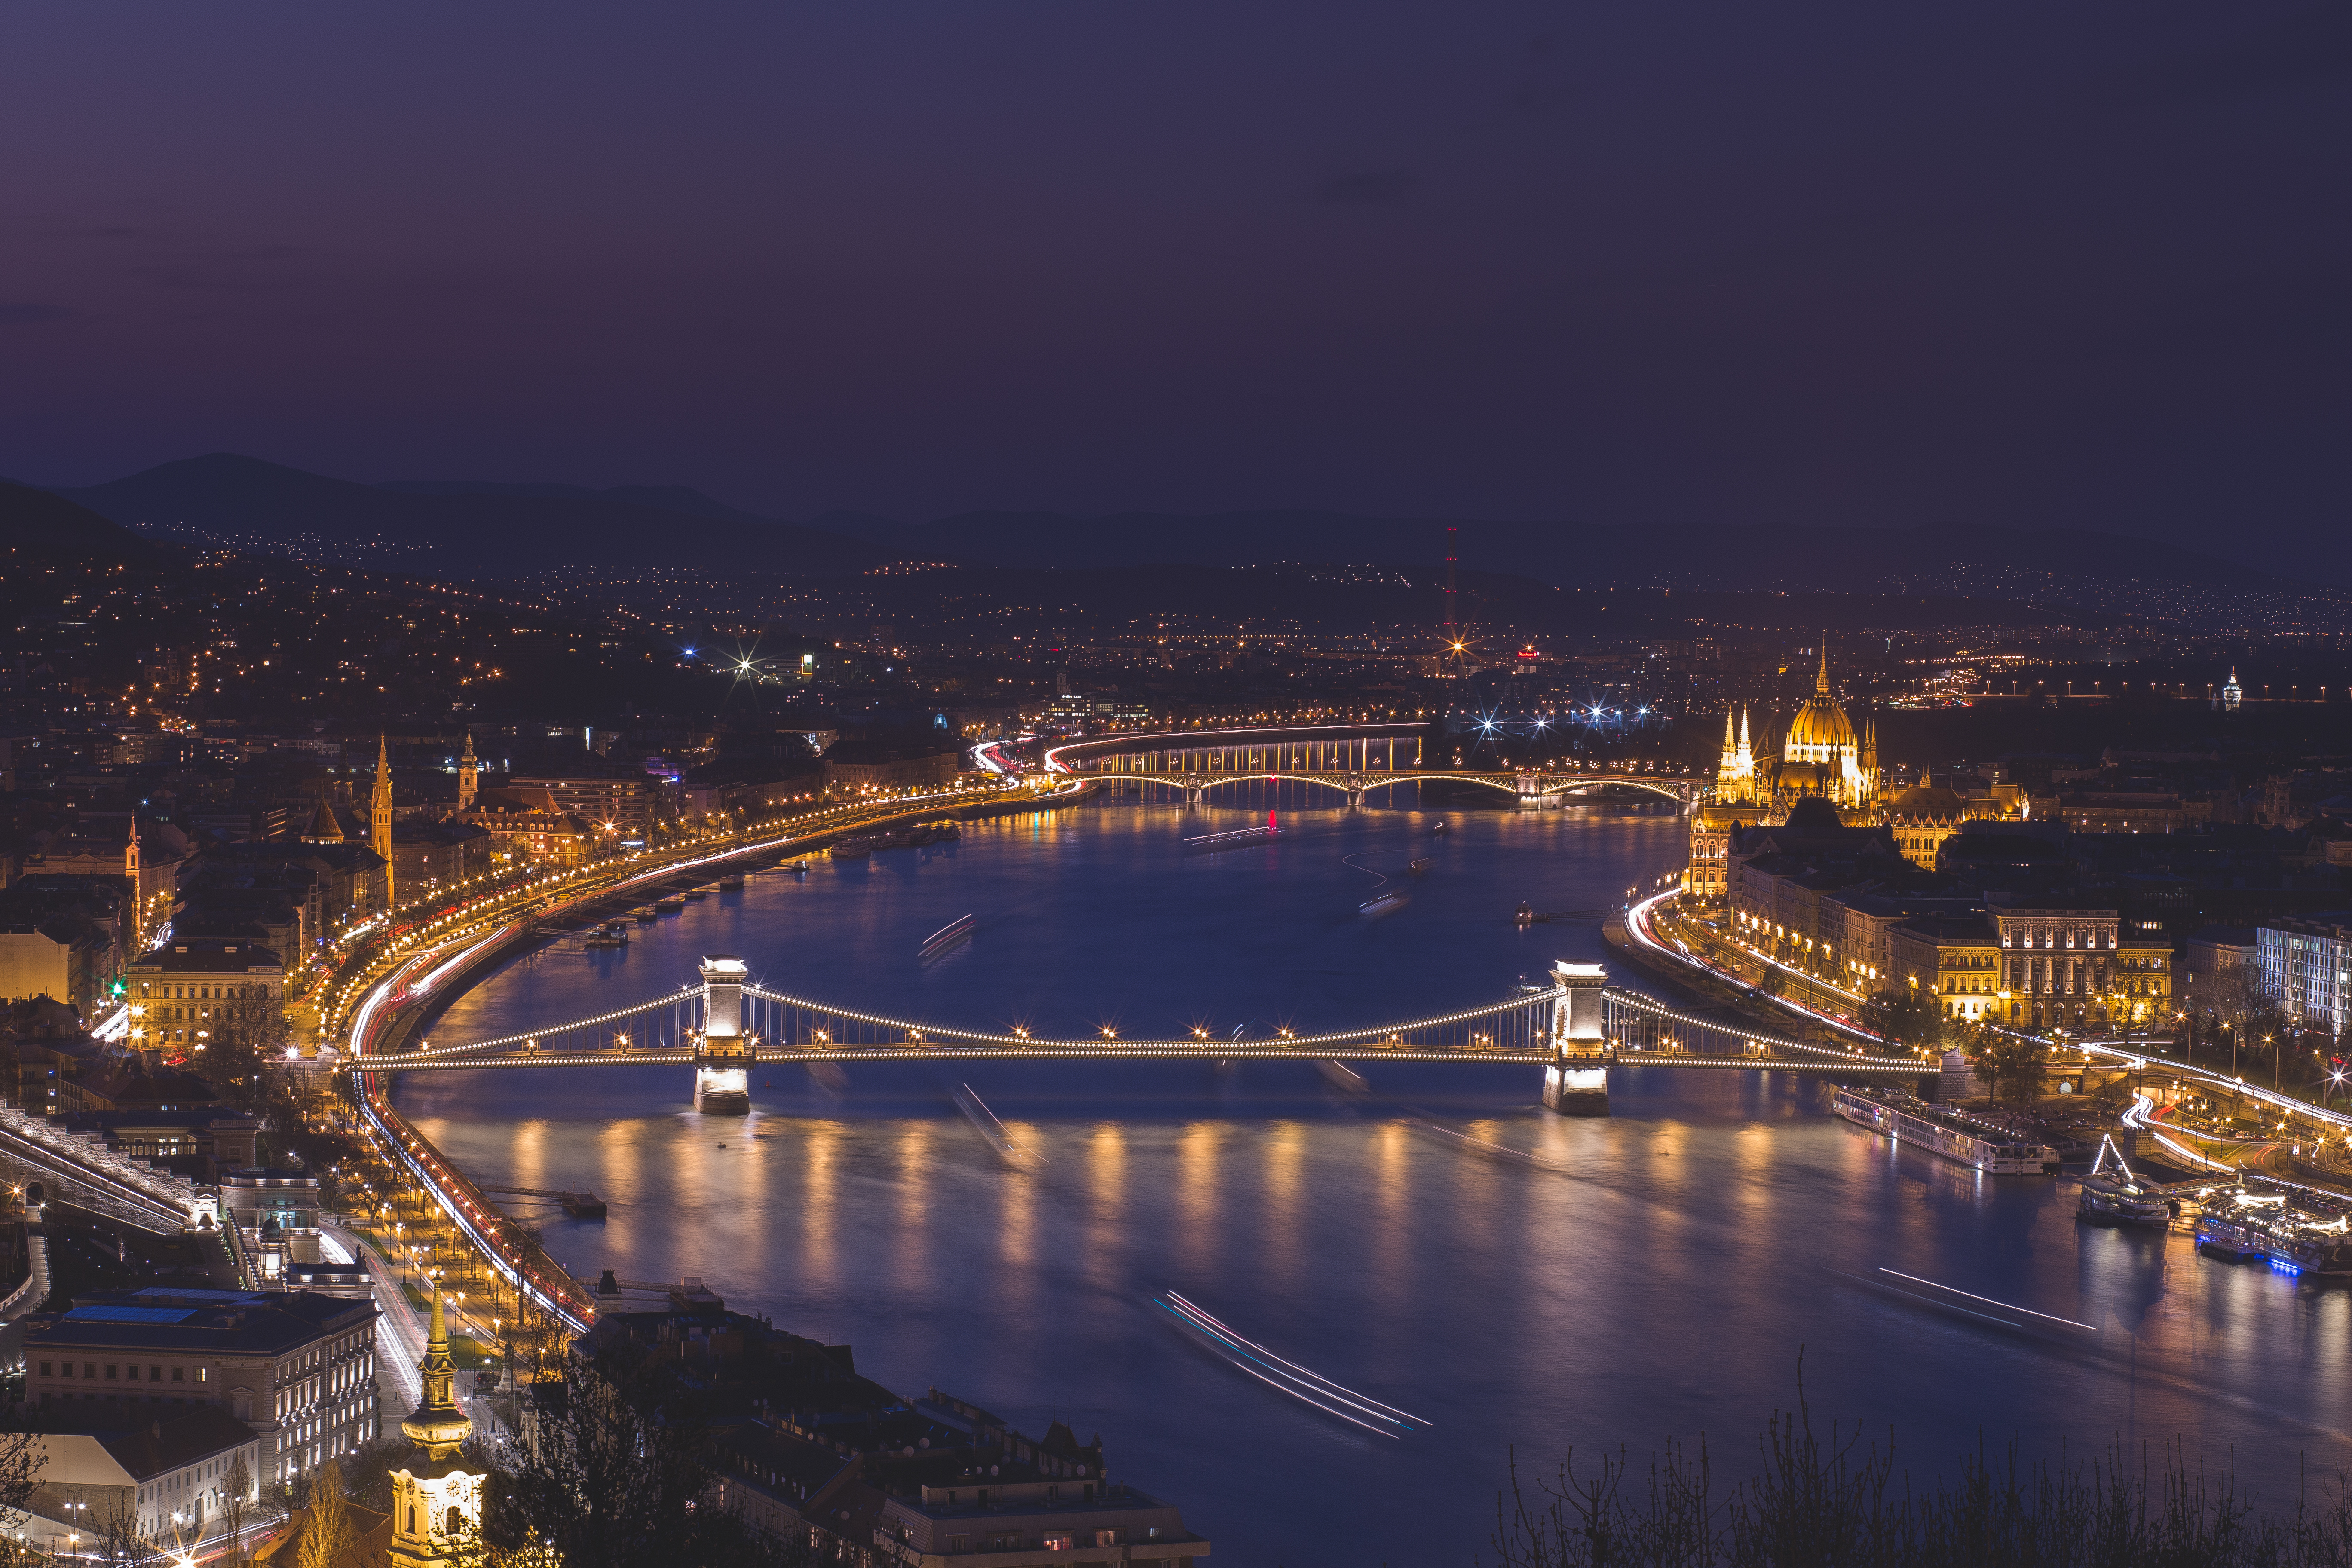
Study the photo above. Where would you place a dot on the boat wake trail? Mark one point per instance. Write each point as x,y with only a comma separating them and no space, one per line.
1288,1377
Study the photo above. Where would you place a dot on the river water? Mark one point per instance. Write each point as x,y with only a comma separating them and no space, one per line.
1656,1273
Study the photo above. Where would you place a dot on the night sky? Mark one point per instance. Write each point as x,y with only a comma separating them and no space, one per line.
1861,264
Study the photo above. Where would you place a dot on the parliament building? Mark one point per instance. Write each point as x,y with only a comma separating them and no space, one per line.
1822,757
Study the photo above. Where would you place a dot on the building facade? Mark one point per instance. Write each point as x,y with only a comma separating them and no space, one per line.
169,1472
2305,966
2071,968
297,1369
186,995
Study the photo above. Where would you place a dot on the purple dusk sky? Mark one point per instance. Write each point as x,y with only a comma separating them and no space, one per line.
2003,262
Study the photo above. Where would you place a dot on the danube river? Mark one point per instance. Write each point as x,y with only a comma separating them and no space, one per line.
1652,1274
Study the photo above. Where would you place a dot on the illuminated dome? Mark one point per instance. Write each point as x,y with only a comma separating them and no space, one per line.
1821,721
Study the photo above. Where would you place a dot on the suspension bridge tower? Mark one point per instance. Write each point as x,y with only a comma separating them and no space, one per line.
724,1054
1576,1079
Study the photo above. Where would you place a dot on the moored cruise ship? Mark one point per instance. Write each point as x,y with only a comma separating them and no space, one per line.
1955,1135
2298,1233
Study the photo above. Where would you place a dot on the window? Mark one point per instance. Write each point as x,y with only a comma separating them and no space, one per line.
111,1372
454,1523
177,1372
45,1368
134,1372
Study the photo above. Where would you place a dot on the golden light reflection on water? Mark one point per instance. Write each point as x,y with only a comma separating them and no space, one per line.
1108,1221
1016,1205
530,1146
1390,1156
823,1142
914,1183
1284,1157
1200,1192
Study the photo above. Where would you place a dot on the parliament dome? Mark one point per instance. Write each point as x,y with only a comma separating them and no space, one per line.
1821,721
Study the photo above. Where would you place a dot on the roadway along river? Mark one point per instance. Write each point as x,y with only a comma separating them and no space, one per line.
1656,1273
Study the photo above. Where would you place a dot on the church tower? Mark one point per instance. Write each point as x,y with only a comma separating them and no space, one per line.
380,816
436,1502
466,774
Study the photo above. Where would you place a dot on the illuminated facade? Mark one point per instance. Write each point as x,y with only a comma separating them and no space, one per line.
1822,754
380,816
467,775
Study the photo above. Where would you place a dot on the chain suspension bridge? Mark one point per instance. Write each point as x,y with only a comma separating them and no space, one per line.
1576,1027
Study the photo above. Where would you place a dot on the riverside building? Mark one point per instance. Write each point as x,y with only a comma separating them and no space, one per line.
2305,966
296,1368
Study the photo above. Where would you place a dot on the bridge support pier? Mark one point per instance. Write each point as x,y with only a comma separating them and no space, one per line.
1575,1080
723,1056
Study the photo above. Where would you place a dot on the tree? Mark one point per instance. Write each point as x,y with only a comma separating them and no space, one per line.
116,1527
237,1501
616,1461
1907,1017
326,1530
2013,1068
23,1455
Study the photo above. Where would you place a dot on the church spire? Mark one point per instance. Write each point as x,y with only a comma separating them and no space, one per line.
466,772
380,814
438,1426
436,1499
1821,681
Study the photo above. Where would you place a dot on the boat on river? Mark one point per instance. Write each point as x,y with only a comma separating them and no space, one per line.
948,935
2112,1193
2296,1230
1955,1135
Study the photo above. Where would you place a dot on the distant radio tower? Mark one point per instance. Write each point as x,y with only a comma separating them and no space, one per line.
1450,639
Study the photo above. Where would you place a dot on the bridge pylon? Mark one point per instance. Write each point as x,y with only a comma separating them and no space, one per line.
1576,1079
724,1054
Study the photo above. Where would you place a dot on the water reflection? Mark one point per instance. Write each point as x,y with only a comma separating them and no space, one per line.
1658,1271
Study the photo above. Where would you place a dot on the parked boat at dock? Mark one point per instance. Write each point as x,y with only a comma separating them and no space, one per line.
1955,1135
2112,1193
2296,1230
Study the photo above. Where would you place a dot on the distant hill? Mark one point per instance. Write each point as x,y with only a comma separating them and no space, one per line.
492,529
35,523
2003,562
661,498
429,526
